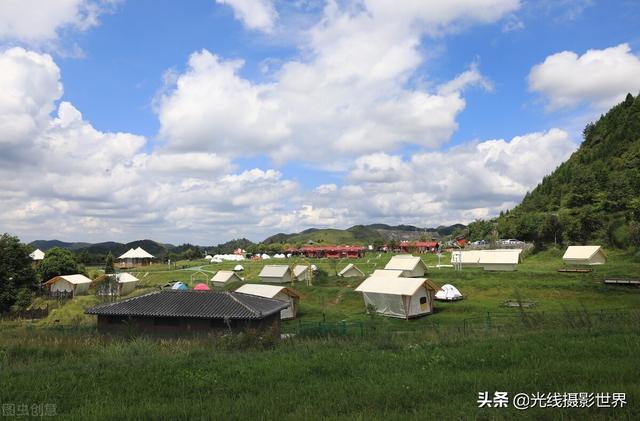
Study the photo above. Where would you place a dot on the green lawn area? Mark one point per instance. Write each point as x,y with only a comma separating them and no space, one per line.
433,367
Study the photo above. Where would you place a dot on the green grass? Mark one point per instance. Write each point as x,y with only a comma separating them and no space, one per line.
428,368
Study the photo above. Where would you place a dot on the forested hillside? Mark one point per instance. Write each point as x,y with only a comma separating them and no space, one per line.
593,196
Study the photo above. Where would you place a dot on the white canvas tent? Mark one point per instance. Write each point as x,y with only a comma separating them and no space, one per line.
136,256
350,271
276,292
411,266
448,293
499,259
76,284
37,255
265,257
238,268
399,297
126,283
302,273
223,277
275,274
584,255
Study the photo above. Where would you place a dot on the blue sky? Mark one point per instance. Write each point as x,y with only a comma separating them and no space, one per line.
209,120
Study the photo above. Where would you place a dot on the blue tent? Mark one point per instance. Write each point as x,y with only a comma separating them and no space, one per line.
179,285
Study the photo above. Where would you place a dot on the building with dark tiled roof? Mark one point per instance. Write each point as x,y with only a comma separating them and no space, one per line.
180,313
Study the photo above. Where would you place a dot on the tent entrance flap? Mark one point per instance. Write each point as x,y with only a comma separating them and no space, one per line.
390,305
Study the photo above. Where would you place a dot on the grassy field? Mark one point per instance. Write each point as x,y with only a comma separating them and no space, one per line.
581,336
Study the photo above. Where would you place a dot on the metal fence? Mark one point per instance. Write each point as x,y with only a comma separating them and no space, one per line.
489,322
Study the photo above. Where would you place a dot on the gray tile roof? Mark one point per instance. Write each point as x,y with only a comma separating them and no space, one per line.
193,304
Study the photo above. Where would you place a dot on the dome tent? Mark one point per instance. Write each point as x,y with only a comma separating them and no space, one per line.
448,293
180,286
238,268
201,287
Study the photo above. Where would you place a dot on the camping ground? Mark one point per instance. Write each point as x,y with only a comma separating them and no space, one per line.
581,336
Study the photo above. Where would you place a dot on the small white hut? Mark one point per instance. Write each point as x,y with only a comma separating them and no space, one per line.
76,284
275,274
584,255
275,292
302,273
223,277
411,266
351,271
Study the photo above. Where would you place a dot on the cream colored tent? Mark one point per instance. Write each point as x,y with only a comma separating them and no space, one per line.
275,274
276,292
584,255
399,297
136,256
501,259
76,284
350,271
223,277
467,258
37,255
126,283
302,273
411,266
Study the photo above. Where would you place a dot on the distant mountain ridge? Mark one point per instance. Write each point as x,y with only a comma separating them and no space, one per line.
363,234
115,248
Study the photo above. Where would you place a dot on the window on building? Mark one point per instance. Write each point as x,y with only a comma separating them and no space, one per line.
423,300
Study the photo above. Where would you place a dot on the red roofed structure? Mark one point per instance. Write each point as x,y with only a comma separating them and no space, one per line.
331,252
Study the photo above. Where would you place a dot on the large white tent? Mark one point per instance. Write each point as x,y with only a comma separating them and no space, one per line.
448,293
223,277
275,274
276,292
411,266
584,255
37,255
351,271
228,257
76,284
398,297
136,256
125,283
499,259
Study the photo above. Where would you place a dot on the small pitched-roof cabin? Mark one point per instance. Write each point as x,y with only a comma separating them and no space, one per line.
411,266
75,284
302,273
351,271
275,274
584,255
277,293
125,283
223,277
399,297
171,313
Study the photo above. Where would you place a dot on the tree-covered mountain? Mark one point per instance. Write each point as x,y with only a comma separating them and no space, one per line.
593,196
362,234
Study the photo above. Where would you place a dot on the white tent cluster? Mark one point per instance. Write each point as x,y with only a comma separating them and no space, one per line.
499,259
219,258
265,257
279,256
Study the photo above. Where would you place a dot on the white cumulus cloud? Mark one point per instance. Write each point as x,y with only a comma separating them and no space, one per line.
599,78
254,14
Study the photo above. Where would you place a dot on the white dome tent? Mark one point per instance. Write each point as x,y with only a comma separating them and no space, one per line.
265,257
238,268
448,293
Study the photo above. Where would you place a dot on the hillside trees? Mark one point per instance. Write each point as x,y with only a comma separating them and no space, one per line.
58,262
17,276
